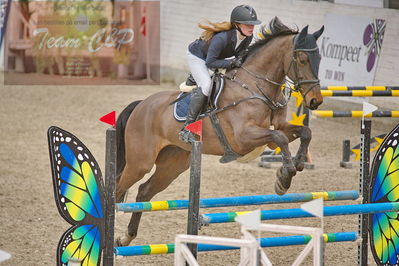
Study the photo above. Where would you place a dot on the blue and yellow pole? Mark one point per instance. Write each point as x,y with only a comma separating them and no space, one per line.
265,242
299,213
238,201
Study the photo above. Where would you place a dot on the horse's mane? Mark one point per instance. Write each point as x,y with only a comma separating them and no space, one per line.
267,33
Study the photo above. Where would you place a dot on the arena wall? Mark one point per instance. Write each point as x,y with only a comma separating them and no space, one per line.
179,20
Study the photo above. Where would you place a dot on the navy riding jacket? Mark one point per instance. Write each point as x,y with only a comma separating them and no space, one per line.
218,48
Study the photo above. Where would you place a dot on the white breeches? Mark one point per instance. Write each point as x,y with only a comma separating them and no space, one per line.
200,73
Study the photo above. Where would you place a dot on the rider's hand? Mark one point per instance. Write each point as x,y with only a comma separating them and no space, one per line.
236,62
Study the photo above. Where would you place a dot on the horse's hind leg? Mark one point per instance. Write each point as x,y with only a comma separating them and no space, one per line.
305,135
170,163
132,173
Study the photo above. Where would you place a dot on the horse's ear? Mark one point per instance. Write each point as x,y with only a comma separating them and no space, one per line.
300,41
318,33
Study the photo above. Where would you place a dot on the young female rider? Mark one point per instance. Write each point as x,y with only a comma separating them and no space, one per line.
218,42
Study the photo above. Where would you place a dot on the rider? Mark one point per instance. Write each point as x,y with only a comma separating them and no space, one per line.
218,42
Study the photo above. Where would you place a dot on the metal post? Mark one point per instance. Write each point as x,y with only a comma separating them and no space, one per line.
364,181
110,175
194,194
346,152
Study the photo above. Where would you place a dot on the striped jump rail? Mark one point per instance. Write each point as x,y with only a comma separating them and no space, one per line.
360,93
264,242
299,213
237,201
354,88
330,113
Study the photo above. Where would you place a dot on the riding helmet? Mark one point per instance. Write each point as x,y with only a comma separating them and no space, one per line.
244,14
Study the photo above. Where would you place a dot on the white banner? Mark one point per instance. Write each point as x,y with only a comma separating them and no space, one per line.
350,47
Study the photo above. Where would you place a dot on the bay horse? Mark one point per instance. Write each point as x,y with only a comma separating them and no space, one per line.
147,132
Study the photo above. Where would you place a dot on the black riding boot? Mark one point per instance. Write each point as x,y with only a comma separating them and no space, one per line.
194,108
190,80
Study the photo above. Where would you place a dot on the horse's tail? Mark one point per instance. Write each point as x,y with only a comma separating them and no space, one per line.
120,136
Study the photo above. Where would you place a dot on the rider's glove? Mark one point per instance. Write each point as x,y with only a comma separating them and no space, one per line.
235,63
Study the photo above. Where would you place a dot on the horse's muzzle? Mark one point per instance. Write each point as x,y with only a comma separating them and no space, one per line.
314,104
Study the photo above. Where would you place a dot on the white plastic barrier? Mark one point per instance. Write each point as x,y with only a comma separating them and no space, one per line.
315,243
249,246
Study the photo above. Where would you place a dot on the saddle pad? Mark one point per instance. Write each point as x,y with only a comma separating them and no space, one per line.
180,108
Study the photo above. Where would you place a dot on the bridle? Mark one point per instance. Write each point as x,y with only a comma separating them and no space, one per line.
295,84
298,81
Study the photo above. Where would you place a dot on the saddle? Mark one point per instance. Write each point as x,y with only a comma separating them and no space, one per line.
183,99
217,87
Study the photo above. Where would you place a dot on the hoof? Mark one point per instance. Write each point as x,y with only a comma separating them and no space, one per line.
299,162
284,178
299,165
279,189
123,241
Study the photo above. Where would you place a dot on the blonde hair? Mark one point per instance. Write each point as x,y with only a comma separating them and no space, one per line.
214,27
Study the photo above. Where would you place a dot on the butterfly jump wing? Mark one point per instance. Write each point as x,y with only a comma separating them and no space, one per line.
384,227
79,196
82,243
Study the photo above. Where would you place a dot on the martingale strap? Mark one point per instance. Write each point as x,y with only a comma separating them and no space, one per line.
229,154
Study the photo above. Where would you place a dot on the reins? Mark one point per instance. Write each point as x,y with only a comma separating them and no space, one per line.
296,84
266,99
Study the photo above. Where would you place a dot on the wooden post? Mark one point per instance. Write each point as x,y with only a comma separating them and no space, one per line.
110,175
194,194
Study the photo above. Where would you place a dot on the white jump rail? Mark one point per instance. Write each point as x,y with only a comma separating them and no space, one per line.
315,243
249,248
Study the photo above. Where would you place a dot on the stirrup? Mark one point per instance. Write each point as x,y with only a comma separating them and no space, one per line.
187,136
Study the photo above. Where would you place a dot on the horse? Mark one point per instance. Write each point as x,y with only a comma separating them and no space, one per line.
254,115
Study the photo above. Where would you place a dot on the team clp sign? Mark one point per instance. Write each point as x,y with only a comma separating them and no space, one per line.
350,48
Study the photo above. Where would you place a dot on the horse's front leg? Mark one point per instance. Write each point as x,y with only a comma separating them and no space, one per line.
305,135
254,136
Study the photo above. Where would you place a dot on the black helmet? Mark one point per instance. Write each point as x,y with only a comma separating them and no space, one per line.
244,14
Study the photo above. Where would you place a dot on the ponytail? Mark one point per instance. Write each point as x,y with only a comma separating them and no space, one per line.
214,27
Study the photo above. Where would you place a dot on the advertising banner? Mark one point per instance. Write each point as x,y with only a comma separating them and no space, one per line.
350,47
83,42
